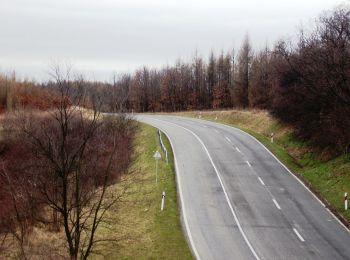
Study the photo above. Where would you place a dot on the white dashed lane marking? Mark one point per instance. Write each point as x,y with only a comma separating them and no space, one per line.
276,204
261,181
298,235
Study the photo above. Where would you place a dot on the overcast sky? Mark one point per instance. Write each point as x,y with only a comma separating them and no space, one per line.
100,37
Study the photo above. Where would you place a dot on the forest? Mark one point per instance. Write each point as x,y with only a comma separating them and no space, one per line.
303,84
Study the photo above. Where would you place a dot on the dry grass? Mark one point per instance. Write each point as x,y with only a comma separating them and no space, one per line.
144,232
259,121
41,243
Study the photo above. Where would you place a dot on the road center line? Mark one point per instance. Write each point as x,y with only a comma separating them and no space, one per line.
223,188
276,204
298,235
238,150
228,139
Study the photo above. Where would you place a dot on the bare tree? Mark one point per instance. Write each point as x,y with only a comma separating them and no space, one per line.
77,154
120,92
243,74
313,93
260,80
17,225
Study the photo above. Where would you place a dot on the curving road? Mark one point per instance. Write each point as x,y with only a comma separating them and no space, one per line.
239,202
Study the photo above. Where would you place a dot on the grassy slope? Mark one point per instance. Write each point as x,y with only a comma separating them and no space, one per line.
145,231
329,179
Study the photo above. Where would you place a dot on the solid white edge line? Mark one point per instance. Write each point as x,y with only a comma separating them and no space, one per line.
182,202
223,188
276,204
261,181
298,235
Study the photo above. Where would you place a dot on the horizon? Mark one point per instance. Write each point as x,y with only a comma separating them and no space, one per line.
102,38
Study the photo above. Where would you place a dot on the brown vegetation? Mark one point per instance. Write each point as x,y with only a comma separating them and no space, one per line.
55,169
25,94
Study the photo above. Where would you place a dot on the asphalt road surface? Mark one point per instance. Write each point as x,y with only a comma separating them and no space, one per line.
239,202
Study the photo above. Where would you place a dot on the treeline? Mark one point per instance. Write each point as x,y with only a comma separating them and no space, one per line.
15,93
305,84
223,81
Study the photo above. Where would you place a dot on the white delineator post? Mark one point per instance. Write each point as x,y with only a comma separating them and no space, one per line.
157,157
346,201
163,201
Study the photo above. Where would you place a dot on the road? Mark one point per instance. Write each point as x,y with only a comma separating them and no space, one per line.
239,202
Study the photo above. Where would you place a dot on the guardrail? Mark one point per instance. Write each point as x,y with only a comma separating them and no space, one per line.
165,151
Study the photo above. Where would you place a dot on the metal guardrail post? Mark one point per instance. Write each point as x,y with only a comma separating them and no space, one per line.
163,146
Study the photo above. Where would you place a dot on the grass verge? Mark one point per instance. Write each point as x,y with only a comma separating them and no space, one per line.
144,231
328,179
